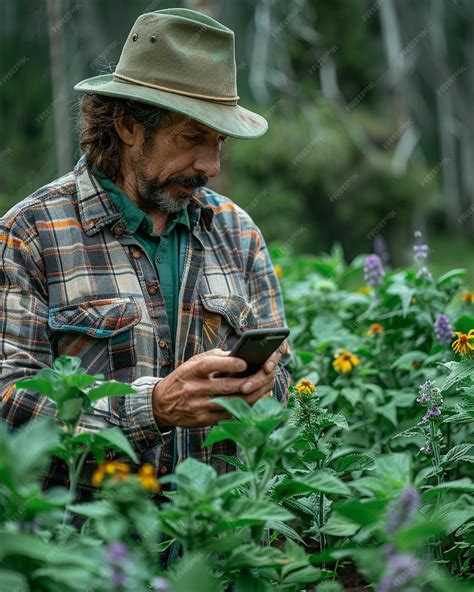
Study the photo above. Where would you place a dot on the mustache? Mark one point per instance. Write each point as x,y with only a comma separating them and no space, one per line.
188,182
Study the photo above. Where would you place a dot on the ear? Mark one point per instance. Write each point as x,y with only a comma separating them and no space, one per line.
128,130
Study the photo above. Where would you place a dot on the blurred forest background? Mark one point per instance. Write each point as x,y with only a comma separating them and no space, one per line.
369,104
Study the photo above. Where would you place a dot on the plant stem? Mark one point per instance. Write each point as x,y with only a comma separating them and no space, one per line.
322,536
435,448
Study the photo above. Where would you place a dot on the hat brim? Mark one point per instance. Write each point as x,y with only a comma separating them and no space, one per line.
230,120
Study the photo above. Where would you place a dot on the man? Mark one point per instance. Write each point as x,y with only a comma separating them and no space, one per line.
131,264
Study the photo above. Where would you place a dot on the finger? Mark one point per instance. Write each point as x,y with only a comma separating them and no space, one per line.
258,381
260,394
210,418
212,364
221,386
272,362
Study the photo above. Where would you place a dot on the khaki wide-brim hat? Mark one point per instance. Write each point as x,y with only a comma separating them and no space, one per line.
184,61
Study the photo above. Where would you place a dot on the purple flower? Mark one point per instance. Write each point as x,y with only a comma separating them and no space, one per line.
373,270
426,448
420,253
160,585
430,414
381,249
402,510
424,399
117,559
427,385
118,578
401,570
443,329
117,553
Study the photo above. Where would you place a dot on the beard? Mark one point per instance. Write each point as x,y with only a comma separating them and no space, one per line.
166,195
159,194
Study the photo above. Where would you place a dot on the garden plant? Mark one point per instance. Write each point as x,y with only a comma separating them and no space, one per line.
362,482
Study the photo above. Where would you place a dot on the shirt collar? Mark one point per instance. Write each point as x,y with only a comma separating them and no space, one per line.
96,208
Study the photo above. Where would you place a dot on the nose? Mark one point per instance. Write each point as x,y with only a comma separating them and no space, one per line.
208,161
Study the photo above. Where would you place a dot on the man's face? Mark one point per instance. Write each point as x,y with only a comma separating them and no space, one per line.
173,161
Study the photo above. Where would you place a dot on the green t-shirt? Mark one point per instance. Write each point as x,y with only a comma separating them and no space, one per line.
166,251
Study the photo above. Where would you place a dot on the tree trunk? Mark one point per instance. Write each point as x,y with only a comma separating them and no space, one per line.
62,127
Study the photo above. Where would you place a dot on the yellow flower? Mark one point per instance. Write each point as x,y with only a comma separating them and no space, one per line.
366,290
147,477
117,470
278,271
467,297
305,387
345,361
375,328
462,345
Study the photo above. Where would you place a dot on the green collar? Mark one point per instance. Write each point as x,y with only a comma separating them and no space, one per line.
134,217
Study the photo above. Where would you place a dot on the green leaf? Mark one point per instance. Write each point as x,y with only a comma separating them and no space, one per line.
464,485
114,438
201,475
319,481
286,531
111,388
458,371
231,481
261,512
456,454
406,361
13,581
40,385
235,406
352,395
232,460
99,509
353,462
73,578
365,512
193,572
417,534
455,514
404,293
395,469
70,410
338,525
28,450
389,411
447,277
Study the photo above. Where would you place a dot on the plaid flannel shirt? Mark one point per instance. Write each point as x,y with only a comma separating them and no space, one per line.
72,282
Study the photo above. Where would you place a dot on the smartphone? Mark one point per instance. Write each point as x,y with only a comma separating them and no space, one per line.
255,346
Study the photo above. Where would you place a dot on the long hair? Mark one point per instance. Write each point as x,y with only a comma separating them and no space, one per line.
99,140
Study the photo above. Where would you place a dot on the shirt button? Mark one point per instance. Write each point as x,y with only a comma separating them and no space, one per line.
152,290
162,343
151,436
163,470
118,229
159,259
136,254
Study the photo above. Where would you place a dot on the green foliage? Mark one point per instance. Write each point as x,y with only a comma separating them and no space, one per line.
357,471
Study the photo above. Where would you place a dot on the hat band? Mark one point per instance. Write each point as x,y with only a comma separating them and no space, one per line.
224,100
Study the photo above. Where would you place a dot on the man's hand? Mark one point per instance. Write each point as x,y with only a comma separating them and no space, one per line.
183,397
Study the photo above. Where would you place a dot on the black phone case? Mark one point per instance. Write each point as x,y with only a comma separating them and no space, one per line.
255,346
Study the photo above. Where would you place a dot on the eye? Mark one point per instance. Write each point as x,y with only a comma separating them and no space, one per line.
195,138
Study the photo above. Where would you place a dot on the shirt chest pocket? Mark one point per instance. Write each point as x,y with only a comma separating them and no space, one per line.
100,332
225,318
